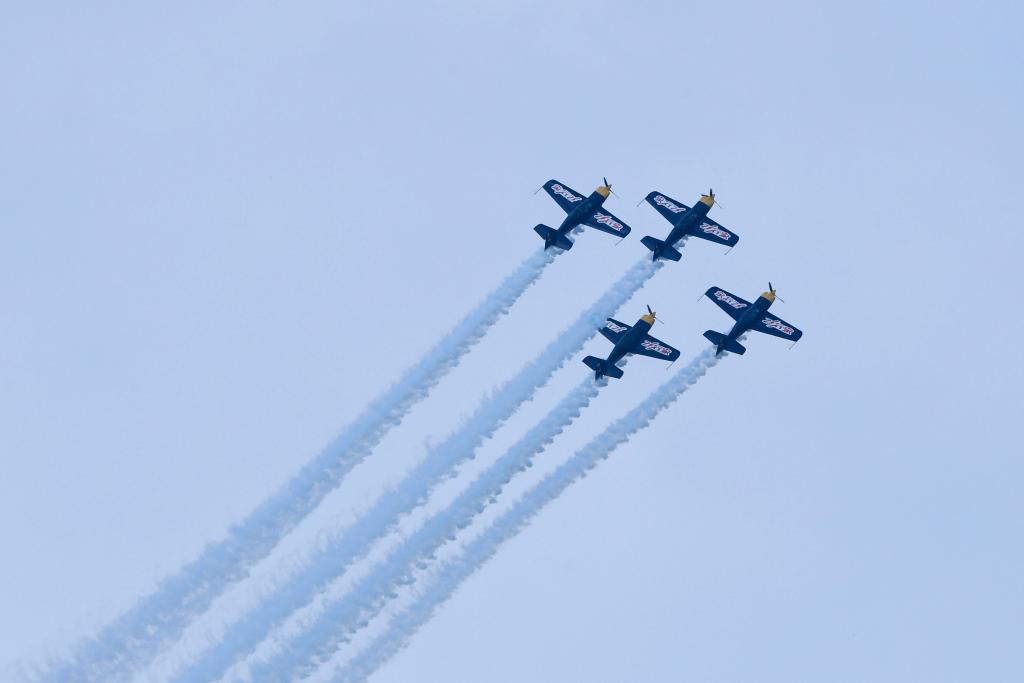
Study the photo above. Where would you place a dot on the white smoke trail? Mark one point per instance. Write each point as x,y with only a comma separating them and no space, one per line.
331,561
136,637
478,551
368,596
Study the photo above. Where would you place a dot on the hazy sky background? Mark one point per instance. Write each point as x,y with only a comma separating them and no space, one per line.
226,226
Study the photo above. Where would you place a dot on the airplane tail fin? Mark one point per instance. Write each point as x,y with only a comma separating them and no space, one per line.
660,249
601,368
553,238
720,340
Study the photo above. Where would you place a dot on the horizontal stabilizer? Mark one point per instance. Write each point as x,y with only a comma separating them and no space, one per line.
601,368
660,249
553,238
723,343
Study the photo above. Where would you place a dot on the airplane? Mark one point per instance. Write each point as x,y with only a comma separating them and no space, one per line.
686,222
629,340
748,316
581,211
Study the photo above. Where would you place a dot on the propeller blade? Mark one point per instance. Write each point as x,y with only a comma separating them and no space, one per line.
649,309
770,288
711,195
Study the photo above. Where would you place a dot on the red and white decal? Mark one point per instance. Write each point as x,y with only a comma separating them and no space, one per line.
777,325
558,189
605,219
652,345
668,204
726,299
715,230
615,328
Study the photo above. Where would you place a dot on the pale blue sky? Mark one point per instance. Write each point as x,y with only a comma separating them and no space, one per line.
225,226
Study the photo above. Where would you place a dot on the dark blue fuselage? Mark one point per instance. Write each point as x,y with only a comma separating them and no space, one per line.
687,222
746,320
628,342
583,211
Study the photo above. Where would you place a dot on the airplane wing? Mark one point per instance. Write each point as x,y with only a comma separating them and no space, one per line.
666,206
730,303
777,327
613,330
603,220
564,196
710,230
655,348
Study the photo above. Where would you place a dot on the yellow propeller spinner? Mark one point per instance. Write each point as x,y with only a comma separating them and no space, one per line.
708,198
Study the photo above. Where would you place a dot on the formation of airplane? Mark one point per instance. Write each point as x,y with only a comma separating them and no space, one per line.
686,222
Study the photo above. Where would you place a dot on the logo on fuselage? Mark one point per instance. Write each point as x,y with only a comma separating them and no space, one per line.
652,345
726,299
668,204
605,219
558,189
777,325
715,230
615,328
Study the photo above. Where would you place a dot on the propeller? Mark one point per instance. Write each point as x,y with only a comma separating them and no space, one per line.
609,186
772,290
654,315
714,202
